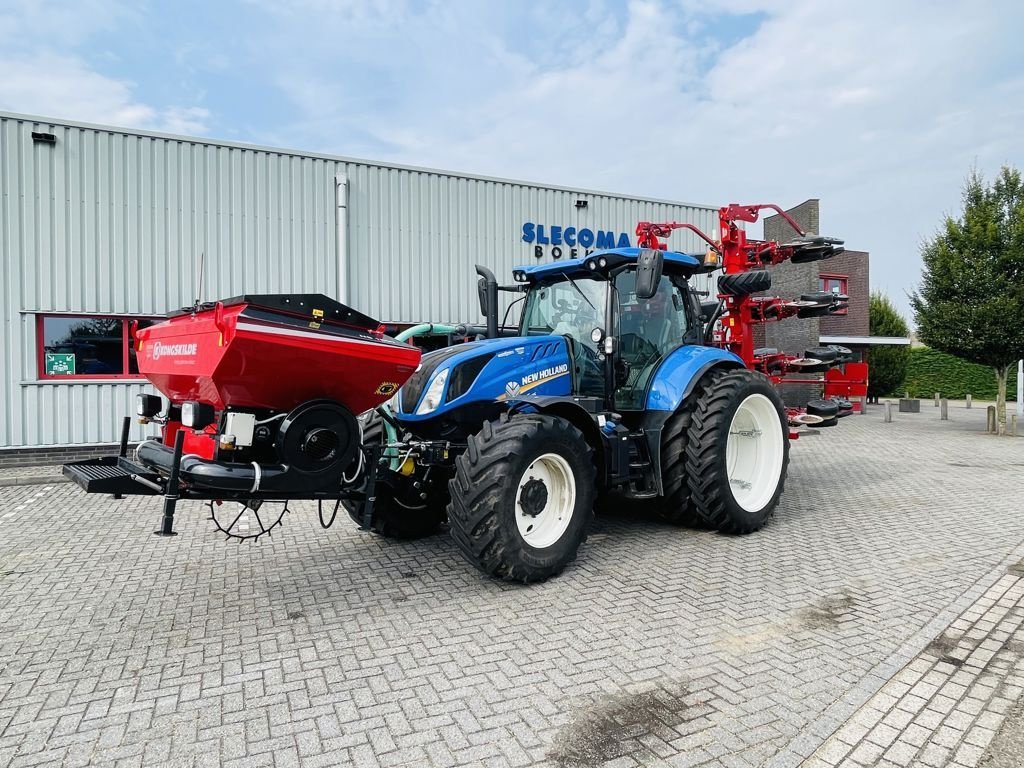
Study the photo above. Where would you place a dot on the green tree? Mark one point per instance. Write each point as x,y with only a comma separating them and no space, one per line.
887,365
971,300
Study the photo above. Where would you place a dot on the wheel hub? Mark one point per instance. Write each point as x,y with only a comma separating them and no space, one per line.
534,497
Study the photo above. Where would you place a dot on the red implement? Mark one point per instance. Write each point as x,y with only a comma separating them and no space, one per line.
274,352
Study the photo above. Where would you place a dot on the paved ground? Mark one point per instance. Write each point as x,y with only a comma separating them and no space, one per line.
658,647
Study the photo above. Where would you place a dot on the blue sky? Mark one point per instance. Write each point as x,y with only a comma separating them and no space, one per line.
878,108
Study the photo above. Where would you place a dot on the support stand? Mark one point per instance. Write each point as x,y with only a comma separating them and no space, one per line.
371,491
171,496
122,450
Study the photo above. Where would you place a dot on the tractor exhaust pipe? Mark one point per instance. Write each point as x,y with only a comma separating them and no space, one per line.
487,289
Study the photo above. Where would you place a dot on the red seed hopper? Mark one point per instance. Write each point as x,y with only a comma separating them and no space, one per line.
264,392
274,352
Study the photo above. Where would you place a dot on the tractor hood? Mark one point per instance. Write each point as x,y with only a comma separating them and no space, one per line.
490,370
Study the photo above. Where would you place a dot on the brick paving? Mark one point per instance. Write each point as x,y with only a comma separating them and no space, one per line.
946,706
659,646
30,475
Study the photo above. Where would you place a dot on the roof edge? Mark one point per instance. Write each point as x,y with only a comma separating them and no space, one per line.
67,123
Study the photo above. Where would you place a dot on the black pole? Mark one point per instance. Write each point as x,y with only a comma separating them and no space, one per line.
125,426
122,451
370,499
171,496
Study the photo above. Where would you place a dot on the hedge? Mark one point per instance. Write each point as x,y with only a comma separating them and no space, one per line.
931,371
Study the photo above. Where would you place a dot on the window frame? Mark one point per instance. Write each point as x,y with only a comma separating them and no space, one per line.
844,287
126,342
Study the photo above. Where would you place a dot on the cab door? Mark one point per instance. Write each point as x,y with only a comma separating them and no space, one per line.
647,331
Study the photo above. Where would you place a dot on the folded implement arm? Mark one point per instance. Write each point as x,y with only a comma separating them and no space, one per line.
737,254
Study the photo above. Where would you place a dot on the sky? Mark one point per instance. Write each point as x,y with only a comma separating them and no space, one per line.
879,109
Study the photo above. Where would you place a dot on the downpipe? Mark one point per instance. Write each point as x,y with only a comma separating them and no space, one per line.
341,197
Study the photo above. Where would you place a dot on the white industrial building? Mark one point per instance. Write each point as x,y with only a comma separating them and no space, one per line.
100,226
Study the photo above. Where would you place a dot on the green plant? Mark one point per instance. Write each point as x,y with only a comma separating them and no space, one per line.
930,371
971,299
887,365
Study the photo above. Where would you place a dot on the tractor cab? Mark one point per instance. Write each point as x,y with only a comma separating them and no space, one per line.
622,311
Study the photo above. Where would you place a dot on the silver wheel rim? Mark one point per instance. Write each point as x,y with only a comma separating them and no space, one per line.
542,525
753,453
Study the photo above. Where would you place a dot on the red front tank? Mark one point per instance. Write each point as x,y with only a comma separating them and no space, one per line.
274,352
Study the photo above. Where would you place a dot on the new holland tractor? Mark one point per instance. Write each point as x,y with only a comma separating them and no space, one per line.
614,383
606,387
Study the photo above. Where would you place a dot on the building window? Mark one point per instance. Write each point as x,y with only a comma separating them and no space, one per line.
87,346
834,284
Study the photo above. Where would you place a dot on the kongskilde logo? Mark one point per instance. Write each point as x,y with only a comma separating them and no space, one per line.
173,350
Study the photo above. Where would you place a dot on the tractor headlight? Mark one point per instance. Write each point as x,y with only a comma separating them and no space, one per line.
196,415
432,398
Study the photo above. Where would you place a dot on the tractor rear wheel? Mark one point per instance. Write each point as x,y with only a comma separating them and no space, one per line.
523,497
737,452
675,506
398,512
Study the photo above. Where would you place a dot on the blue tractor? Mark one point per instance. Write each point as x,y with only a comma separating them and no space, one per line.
606,388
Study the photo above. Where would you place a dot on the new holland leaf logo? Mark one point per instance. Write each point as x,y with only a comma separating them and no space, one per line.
531,380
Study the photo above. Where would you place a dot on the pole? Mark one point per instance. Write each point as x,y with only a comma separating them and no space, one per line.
122,451
944,409
341,192
1020,388
171,496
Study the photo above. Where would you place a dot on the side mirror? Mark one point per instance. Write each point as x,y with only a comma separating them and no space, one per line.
481,291
487,290
649,265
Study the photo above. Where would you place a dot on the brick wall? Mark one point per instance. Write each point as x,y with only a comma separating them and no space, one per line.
39,457
854,265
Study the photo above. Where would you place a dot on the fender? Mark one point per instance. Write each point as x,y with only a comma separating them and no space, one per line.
679,373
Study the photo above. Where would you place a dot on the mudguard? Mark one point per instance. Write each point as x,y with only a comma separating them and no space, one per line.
679,373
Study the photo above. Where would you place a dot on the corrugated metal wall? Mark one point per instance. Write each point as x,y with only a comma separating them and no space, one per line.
108,221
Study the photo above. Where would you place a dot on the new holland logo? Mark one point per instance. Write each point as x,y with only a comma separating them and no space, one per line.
159,349
529,381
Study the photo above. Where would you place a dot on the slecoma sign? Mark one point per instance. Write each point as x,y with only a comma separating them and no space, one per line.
563,240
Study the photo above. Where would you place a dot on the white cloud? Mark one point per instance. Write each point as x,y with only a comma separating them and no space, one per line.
43,74
879,109
64,86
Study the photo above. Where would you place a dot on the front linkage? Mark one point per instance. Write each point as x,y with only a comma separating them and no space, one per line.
122,476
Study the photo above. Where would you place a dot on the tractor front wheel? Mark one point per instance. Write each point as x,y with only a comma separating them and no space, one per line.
737,452
523,497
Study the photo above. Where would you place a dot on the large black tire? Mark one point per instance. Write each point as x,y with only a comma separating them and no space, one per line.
824,408
822,311
825,354
745,283
398,512
761,465
676,506
495,489
818,297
